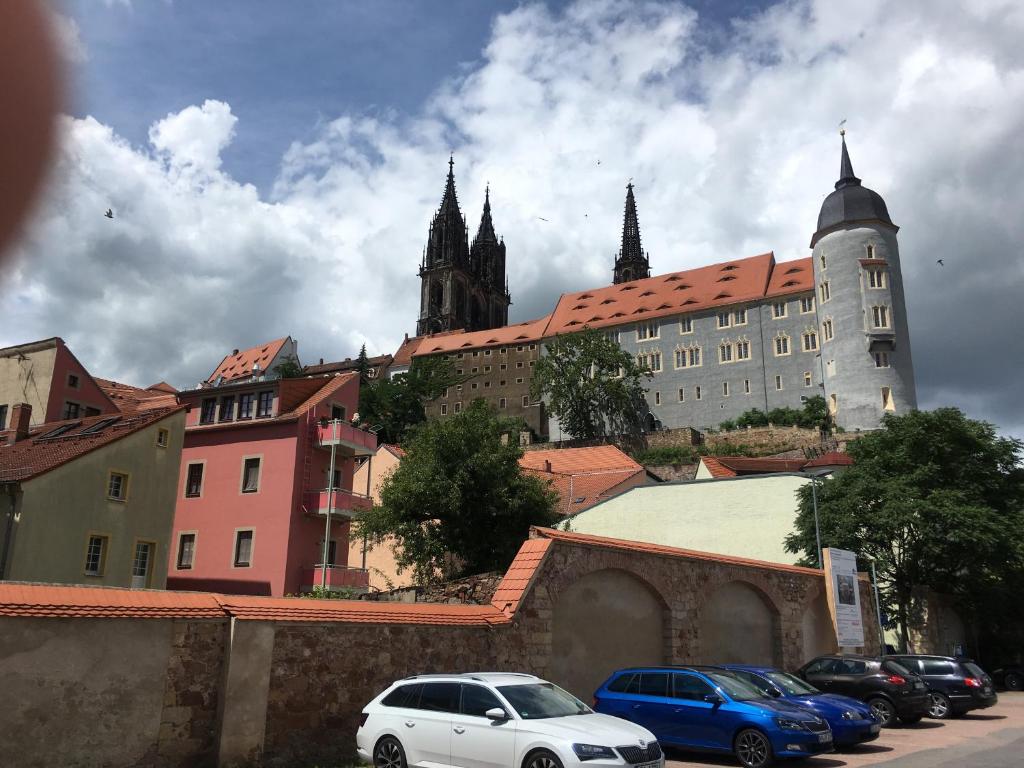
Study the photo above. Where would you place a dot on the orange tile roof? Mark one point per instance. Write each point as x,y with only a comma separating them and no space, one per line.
531,330
38,454
520,575
380,362
403,355
330,385
129,398
396,450
577,492
238,365
583,539
52,600
569,460
791,277
831,459
358,611
734,466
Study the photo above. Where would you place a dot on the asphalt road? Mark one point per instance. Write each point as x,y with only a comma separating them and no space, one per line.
992,738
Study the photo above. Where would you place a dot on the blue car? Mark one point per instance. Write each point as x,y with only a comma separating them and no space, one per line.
711,710
851,720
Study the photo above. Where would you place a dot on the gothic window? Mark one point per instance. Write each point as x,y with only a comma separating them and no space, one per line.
881,359
887,401
806,305
460,301
810,341
822,257
650,360
876,278
743,350
880,316
687,357
826,292
781,345
826,329
725,352
436,298
871,251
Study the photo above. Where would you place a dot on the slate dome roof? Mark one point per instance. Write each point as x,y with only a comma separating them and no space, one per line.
850,202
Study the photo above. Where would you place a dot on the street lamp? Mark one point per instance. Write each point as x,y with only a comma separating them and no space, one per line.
814,502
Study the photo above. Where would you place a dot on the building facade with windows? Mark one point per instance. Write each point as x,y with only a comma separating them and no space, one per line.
266,478
48,377
89,500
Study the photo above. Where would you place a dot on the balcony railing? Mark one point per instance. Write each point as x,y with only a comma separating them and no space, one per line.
343,502
350,439
338,577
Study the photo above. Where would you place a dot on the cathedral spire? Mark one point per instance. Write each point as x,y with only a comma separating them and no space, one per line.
485,232
631,263
846,177
449,201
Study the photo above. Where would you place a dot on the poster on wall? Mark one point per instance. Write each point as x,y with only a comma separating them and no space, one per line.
844,597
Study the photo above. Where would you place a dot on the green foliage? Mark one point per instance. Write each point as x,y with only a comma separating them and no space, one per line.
669,454
395,406
319,593
363,366
592,385
289,368
459,502
813,415
935,500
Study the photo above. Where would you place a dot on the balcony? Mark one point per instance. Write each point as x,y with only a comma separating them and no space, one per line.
352,440
339,577
343,503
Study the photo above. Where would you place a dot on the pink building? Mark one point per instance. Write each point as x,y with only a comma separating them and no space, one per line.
266,469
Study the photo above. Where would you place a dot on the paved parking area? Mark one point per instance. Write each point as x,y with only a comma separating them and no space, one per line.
991,738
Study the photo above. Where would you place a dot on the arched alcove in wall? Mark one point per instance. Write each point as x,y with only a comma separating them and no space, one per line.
740,625
606,620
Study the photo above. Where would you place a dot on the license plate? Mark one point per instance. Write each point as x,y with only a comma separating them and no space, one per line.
988,690
651,764
876,728
824,738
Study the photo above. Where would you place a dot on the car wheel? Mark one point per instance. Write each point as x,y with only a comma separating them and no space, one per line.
542,759
753,749
883,710
938,706
1013,681
389,754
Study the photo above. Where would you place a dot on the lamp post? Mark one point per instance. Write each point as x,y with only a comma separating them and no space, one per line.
814,504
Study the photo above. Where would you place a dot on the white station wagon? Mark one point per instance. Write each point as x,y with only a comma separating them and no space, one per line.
495,720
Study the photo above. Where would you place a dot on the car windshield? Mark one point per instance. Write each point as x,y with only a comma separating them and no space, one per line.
737,689
790,685
891,666
538,701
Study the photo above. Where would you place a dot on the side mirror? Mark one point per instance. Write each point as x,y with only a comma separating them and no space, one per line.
497,714
714,698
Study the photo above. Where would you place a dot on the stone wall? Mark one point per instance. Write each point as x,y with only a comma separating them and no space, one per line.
472,590
672,472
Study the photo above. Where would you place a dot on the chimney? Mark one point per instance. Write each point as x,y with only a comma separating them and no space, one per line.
234,352
547,465
321,361
21,417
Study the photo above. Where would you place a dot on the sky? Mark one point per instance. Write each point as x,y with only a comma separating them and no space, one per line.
273,167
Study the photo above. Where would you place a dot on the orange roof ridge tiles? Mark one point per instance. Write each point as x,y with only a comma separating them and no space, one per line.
358,611
832,458
52,600
573,460
38,454
403,355
583,539
130,398
520,575
240,364
734,466
530,330
716,468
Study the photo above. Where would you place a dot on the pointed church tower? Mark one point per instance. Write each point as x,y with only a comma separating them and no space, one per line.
865,350
632,263
487,255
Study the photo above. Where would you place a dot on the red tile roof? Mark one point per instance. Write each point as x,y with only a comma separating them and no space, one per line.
582,539
358,611
394,449
376,365
328,385
52,600
39,454
734,466
531,330
581,476
520,575
403,355
833,459
791,277
570,460
240,364
129,398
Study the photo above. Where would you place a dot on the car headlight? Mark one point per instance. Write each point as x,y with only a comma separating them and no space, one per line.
850,715
592,751
789,725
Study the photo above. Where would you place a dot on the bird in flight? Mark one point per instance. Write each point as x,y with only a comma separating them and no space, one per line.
542,218
109,214
940,262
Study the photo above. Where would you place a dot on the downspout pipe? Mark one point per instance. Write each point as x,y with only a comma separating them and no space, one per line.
11,491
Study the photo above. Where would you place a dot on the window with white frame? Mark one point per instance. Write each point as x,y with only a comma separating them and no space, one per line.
781,345
826,329
696,393
96,555
822,259
457,408
686,325
825,291
881,359
117,486
742,349
807,378
871,251
186,551
876,278
682,394
503,403
806,305
647,331
687,357
725,389
810,341
778,309
740,316
657,398
725,352
444,409
778,382
746,386
650,359
251,475
612,336
243,549
724,319
880,316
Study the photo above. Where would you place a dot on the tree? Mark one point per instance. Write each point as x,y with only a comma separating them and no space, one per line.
394,406
459,501
363,366
289,368
592,385
934,500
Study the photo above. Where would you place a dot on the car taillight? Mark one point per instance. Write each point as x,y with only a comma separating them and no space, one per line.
972,682
362,719
896,679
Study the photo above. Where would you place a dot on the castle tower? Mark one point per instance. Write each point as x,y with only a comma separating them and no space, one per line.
865,342
487,256
631,263
445,268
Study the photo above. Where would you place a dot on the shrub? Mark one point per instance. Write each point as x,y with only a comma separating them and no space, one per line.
669,454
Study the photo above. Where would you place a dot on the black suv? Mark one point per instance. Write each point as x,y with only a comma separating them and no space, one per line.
1010,677
891,690
955,686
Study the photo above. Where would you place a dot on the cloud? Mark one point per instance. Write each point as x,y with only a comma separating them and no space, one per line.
731,144
69,38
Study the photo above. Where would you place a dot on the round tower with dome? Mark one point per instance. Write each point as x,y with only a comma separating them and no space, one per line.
867,369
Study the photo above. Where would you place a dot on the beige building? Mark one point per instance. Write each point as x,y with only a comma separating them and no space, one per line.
90,500
377,558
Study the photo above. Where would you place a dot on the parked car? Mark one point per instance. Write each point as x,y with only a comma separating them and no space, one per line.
495,719
1010,677
710,710
955,686
851,721
891,690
